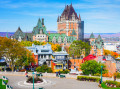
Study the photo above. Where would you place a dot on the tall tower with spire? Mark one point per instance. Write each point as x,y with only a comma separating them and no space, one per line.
69,21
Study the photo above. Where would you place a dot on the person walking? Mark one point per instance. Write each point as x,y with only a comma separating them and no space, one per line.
59,73
26,73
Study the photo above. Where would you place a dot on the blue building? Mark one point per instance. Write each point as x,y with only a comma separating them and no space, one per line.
44,55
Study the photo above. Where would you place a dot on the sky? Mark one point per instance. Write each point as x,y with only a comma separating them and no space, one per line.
100,16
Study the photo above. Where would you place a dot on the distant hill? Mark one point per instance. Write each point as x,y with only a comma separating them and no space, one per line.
87,35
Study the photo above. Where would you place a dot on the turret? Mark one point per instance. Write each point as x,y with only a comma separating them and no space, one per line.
42,21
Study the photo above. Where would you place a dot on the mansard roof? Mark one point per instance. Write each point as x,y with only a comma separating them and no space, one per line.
68,12
62,36
28,36
19,33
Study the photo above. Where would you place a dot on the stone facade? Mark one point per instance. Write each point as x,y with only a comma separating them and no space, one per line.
97,45
69,22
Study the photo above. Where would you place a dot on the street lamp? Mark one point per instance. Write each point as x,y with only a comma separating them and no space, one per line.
101,73
33,74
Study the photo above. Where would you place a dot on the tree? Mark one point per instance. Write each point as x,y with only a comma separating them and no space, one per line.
92,67
108,52
12,50
26,43
25,59
44,68
77,48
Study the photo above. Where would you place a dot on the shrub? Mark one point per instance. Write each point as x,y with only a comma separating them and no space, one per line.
36,80
65,71
43,69
87,78
117,75
110,83
97,74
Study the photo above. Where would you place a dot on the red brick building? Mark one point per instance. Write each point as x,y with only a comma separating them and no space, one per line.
70,24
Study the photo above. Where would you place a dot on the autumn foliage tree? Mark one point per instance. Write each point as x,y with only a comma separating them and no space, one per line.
12,50
108,52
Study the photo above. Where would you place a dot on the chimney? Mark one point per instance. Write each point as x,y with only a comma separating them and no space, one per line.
42,21
79,17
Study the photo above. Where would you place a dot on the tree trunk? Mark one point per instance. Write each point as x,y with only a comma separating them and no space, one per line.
12,68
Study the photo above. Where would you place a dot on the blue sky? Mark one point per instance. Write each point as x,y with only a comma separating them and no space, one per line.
100,16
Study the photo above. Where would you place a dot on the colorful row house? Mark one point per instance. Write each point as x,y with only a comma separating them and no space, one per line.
43,54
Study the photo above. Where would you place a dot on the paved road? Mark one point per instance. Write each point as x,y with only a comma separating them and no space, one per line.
58,83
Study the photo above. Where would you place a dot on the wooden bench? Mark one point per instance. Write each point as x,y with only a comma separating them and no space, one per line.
62,76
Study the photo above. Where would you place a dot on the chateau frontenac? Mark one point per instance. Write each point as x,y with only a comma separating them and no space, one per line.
70,24
70,28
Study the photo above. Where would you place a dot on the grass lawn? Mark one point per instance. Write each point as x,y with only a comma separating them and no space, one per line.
105,87
2,86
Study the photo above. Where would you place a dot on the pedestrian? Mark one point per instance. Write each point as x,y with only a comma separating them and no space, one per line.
59,73
99,83
115,78
56,74
26,73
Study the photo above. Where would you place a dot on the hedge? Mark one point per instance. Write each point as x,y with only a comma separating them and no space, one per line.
112,84
65,71
87,78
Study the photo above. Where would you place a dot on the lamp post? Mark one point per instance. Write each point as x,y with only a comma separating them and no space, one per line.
33,74
101,73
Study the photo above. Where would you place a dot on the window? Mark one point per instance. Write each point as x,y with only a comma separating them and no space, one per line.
44,56
41,56
58,66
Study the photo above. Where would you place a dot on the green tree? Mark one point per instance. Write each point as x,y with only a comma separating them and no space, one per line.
26,43
92,67
37,42
44,68
25,59
77,47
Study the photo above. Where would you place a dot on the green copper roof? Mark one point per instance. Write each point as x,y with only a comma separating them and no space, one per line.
73,32
99,42
7,35
92,36
62,36
36,30
19,33
99,38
